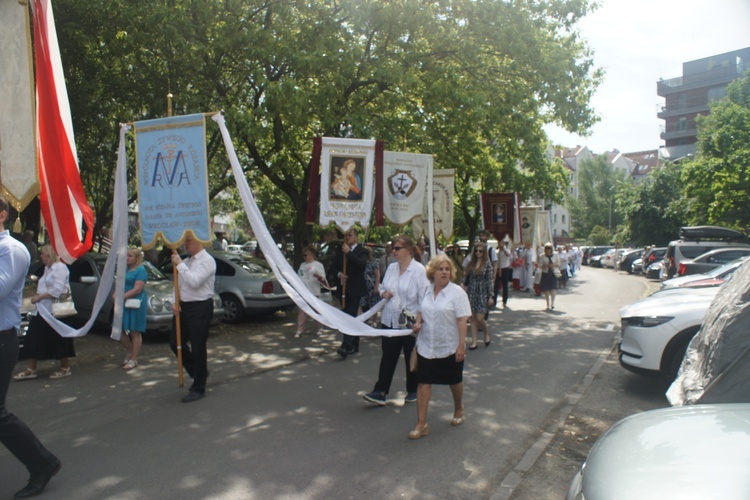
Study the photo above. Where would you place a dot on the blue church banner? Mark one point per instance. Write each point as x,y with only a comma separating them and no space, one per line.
172,180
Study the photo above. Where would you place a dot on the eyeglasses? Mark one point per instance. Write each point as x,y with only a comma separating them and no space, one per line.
397,248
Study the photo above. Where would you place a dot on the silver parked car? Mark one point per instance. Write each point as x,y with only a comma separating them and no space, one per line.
711,260
85,275
700,451
245,286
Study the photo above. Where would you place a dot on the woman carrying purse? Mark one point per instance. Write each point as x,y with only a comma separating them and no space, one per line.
549,263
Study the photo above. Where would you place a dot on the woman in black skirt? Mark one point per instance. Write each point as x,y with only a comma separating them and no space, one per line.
549,263
441,341
42,341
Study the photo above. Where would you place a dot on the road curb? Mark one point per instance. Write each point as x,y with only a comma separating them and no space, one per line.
516,476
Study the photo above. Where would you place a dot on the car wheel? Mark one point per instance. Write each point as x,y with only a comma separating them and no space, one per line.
675,352
234,312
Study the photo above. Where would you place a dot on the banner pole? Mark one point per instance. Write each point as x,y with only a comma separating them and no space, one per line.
178,331
343,286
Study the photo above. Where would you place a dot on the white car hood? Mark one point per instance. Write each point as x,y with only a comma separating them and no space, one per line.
671,302
700,451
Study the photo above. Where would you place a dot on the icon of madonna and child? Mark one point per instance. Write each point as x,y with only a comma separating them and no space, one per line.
346,178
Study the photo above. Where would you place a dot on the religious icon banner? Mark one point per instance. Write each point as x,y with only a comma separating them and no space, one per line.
500,215
346,186
172,179
405,180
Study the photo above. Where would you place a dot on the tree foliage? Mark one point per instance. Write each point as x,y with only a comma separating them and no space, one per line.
653,210
598,184
717,181
469,81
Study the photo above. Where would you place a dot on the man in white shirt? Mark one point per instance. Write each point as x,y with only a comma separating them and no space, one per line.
196,276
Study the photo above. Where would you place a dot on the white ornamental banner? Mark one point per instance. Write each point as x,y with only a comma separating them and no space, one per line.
545,227
530,225
443,187
346,185
405,180
18,169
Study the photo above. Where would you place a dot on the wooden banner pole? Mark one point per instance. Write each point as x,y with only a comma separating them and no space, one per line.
178,331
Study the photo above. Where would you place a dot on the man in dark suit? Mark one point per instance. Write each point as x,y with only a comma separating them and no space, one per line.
353,280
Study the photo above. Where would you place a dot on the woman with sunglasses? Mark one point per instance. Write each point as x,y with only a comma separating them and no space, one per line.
548,262
403,287
479,286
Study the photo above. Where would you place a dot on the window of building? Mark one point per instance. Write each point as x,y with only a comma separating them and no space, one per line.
563,219
716,93
554,218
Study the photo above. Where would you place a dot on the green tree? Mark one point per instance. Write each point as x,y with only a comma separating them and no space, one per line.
653,209
598,184
471,82
717,181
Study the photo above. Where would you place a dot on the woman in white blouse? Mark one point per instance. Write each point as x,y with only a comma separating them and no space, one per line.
403,287
42,341
441,341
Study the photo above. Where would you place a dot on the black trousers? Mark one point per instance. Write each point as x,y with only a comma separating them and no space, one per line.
14,434
350,343
392,347
506,274
195,319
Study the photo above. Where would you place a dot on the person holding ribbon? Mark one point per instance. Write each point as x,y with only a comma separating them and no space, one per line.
403,287
42,341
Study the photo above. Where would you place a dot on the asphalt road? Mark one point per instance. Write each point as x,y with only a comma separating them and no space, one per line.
284,417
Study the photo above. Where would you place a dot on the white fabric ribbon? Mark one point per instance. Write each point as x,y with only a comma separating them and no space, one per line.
314,307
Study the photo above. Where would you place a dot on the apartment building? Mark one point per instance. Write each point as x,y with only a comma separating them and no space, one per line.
685,97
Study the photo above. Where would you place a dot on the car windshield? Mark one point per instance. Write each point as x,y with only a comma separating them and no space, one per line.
249,266
151,271
726,268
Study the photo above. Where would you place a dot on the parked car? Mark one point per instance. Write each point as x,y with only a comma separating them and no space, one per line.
245,286
654,254
693,451
235,248
250,246
718,274
85,275
654,270
637,266
656,330
608,259
711,260
595,255
627,258
695,241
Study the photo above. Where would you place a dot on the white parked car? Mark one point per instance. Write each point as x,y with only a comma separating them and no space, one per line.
608,259
699,451
656,330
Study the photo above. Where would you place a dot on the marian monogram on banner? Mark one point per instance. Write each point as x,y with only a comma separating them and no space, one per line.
172,179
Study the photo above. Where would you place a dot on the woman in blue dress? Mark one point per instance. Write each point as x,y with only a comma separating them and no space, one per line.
134,314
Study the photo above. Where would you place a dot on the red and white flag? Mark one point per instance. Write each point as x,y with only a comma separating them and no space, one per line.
63,201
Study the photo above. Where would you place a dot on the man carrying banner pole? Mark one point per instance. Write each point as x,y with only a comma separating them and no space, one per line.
174,207
351,274
194,312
